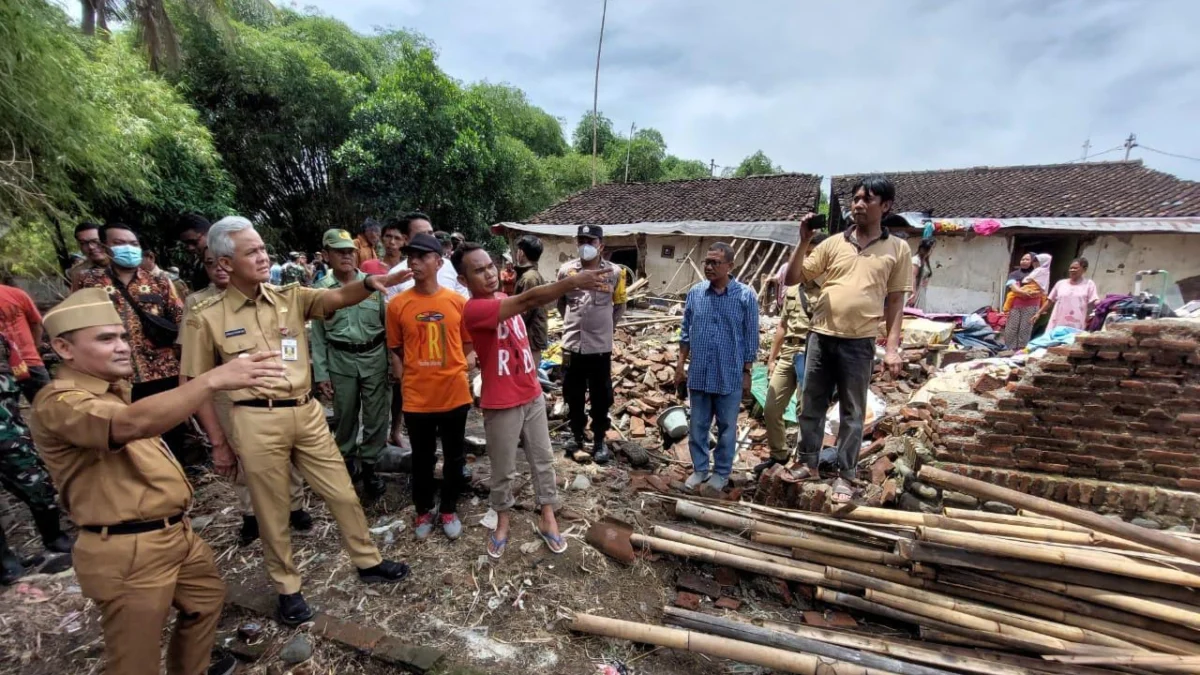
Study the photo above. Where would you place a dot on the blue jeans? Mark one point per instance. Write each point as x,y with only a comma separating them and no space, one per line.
705,407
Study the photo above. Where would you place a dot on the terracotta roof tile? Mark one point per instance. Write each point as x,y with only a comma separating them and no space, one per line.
1083,190
758,198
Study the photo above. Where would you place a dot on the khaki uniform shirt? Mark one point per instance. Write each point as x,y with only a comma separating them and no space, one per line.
221,401
857,281
589,317
357,324
795,317
536,325
100,484
231,324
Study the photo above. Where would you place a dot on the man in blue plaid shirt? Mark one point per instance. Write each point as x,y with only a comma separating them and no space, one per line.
720,333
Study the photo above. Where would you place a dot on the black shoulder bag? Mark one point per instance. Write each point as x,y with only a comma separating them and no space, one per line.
159,330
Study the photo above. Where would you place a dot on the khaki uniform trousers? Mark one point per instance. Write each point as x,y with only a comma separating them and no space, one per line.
136,579
780,389
296,489
503,430
269,441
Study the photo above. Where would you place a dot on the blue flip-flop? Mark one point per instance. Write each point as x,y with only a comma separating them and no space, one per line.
553,540
496,546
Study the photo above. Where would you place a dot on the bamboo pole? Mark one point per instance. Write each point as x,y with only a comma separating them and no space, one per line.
1159,540
934,635
829,546
1000,616
749,257
762,260
725,547
703,514
1157,609
811,519
892,574
1071,607
1093,560
737,630
1028,664
1027,521
719,647
1161,663
1139,636
748,564
1036,641
957,557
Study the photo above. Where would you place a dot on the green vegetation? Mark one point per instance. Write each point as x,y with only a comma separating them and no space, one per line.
293,119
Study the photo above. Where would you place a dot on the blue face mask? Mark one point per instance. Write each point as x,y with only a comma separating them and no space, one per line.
127,256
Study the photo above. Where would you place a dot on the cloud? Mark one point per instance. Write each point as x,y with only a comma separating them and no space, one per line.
823,87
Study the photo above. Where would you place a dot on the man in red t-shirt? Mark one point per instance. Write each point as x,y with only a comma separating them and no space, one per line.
22,325
513,407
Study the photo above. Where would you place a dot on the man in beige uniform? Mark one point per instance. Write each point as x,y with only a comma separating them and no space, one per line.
136,556
280,425
219,429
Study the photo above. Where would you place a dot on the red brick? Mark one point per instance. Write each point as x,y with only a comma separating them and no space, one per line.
962,445
1167,359
1059,381
841,620
1056,418
1068,407
687,600
1176,458
1085,460
1106,340
726,576
1133,384
1168,470
1190,419
1056,366
1027,390
1082,471
1157,414
1162,373
962,419
732,604
814,618
1098,383
1127,398
1108,354
1052,468
1146,328
1135,356
1064,433
1189,484
1110,452
1111,371
1002,462
1173,345
1080,354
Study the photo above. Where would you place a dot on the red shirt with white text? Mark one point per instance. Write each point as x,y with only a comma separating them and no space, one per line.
502,348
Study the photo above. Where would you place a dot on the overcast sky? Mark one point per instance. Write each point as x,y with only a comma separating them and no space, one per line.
828,87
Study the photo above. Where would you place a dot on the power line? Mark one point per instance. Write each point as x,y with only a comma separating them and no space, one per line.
1097,154
1168,154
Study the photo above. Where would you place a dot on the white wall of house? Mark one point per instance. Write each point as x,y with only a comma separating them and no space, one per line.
968,273
1113,260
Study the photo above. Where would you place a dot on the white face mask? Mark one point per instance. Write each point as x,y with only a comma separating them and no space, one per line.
588,253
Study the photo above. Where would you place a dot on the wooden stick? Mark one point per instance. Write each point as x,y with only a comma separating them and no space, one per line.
745,632
1028,521
1139,636
714,545
1159,540
699,274
1070,607
667,288
710,645
957,557
1091,560
999,616
1156,609
829,546
749,564
750,256
647,322
766,256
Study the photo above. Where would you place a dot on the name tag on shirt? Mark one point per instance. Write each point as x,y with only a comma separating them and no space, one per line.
291,350
235,332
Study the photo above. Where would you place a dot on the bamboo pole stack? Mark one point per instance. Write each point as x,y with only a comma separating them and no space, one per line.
1053,590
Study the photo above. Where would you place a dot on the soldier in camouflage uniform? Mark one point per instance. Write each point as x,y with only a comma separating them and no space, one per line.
22,473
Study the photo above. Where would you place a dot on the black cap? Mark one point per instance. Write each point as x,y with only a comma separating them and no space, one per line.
422,243
590,231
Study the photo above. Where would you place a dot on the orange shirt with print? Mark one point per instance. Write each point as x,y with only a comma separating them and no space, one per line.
430,330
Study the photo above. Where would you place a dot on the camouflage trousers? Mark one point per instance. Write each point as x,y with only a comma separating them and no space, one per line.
21,470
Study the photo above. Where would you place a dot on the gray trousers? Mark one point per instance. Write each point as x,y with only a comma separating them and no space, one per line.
844,365
503,429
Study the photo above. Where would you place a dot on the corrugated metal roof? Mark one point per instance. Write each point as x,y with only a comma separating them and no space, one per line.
1183,225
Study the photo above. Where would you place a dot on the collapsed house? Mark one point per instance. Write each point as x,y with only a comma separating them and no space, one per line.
1121,216
662,230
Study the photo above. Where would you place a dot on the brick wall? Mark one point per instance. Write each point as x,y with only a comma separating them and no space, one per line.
1119,406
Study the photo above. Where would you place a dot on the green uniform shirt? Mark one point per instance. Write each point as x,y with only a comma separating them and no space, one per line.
357,325
795,319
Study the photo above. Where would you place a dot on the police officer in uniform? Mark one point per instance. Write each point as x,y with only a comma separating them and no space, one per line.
280,424
137,555
218,428
350,363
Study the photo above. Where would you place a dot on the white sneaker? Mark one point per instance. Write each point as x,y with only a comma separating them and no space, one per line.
693,481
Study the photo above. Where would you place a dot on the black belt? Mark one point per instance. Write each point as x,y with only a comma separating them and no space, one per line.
136,528
275,403
354,348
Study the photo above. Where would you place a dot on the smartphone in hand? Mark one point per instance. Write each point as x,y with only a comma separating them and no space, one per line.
816,223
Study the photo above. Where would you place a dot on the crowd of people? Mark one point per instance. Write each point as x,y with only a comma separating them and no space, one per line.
394,325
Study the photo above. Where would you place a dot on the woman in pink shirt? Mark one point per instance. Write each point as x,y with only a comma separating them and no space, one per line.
1072,299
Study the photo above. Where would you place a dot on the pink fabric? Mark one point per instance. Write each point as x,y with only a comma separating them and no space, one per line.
986,227
1071,303
509,373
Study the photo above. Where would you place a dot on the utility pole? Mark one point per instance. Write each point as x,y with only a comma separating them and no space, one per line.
596,89
628,149
1087,145
712,167
1130,143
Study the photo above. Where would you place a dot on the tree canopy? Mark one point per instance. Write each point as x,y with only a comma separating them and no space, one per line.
757,164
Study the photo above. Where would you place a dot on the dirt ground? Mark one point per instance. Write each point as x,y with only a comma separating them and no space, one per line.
498,618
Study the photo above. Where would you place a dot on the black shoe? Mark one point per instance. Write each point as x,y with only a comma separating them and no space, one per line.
11,568
601,454
222,664
53,538
56,564
387,571
300,520
373,485
249,530
763,466
573,446
293,610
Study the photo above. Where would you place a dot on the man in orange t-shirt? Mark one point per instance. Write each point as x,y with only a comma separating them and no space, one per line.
425,329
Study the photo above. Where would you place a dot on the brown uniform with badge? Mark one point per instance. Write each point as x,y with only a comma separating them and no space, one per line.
136,556
280,425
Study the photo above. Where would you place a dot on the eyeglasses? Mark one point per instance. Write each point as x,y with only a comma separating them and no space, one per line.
713,263
89,243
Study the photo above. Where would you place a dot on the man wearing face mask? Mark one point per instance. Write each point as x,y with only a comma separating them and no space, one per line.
151,311
589,318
